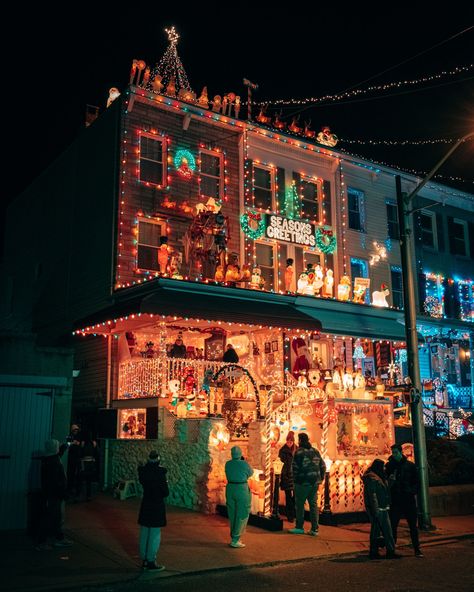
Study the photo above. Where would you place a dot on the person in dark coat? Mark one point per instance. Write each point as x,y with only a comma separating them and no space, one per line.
230,355
286,454
74,462
377,505
89,464
54,490
178,350
403,482
152,515
309,470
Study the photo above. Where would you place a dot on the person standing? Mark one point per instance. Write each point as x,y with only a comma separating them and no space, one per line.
89,464
377,504
286,454
237,495
403,482
309,470
53,489
74,462
152,514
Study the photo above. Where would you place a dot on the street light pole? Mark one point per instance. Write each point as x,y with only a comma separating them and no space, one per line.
409,279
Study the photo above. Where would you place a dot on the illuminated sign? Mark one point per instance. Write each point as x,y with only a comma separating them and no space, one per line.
290,231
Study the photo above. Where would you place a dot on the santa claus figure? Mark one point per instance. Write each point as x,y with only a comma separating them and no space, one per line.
301,365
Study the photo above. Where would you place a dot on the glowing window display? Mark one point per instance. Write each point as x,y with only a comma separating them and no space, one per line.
132,424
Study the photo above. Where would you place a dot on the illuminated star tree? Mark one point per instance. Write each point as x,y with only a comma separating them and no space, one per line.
170,65
292,202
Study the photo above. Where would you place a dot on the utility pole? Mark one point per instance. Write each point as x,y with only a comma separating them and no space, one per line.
409,279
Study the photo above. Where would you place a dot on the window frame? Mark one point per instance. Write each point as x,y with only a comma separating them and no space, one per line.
361,211
319,199
434,232
272,172
464,224
164,161
220,156
365,262
396,269
163,228
273,246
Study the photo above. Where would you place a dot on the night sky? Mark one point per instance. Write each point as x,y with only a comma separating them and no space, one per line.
51,72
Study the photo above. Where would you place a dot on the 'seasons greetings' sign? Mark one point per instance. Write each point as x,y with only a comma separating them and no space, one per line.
291,231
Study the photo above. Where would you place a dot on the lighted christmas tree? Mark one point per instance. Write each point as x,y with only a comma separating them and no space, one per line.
292,202
170,69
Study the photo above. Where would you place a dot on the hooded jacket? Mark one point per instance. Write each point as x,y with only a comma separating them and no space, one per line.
376,493
308,466
155,488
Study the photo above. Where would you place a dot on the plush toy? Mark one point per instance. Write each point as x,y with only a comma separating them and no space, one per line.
301,365
380,298
344,288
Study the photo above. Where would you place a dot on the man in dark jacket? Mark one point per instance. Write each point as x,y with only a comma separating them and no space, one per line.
53,488
152,515
403,482
308,473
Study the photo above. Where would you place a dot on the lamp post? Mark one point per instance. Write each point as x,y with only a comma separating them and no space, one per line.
277,467
326,515
409,282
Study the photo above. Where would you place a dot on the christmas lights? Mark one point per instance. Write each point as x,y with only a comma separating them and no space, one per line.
326,240
169,70
184,163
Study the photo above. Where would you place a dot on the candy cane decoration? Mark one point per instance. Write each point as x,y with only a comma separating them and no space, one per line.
324,436
267,502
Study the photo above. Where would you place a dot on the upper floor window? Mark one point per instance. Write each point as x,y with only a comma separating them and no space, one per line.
428,229
310,206
392,221
360,269
397,286
458,235
152,159
263,187
266,259
355,206
149,232
211,174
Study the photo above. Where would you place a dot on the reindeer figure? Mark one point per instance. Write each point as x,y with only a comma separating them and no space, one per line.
307,132
262,118
278,123
294,127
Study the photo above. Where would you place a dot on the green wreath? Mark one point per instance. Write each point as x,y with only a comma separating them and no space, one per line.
326,240
254,218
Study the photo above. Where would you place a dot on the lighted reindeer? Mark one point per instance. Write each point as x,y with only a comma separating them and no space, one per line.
294,127
308,132
262,118
278,123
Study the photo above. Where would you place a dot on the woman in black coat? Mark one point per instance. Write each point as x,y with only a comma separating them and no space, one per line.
286,454
152,515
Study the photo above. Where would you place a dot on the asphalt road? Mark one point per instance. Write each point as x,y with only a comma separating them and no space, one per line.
445,567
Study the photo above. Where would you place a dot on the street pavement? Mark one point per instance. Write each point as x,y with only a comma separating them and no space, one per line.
105,550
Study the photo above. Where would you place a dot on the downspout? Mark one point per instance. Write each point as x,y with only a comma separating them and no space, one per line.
107,405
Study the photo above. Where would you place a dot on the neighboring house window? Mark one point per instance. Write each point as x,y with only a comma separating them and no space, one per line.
211,183
263,187
428,229
266,261
360,268
310,200
392,221
355,205
397,286
149,232
152,159
458,237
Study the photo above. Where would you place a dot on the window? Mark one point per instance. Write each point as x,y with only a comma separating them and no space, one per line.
458,232
428,229
392,221
397,287
310,201
266,261
149,232
211,178
152,160
263,187
360,268
355,204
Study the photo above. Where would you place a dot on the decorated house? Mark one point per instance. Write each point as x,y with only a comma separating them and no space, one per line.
230,279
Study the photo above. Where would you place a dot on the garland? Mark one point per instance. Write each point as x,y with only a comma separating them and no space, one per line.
325,240
253,224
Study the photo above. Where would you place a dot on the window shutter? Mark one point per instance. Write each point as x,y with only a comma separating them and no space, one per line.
452,247
440,231
471,239
248,181
280,196
327,202
422,291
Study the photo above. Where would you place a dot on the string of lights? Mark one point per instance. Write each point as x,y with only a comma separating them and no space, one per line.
380,142
379,87
170,66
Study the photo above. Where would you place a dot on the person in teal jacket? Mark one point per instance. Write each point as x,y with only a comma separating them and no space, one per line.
237,495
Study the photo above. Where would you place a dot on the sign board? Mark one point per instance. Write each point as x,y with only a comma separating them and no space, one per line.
295,232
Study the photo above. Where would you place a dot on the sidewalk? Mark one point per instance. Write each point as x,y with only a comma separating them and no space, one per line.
105,534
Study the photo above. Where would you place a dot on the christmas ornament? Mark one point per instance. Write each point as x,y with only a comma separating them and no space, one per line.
253,224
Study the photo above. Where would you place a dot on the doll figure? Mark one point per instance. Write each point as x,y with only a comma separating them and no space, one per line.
163,254
318,280
302,282
256,281
347,382
328,286
289,273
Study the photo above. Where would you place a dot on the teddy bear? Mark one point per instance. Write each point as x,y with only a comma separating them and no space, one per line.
301,365
344,288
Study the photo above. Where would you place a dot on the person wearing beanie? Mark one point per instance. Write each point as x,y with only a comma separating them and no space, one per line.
53,488
309,471
237,495
286,454
152,514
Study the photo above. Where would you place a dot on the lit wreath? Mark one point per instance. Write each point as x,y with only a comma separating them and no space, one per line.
253,224
326,240
184,163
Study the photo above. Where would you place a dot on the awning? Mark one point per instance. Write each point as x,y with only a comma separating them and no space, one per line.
357,320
